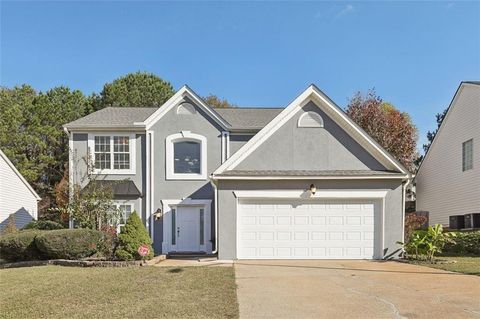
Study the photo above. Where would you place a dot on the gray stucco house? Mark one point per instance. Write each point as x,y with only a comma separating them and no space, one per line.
302,181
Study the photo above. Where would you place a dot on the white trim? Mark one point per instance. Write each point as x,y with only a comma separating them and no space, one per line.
24,181
152,185
184,91
307,177
112,171
168,204
228,144
70,171
318,121
305,194
169,156
225,146
188,107
311,93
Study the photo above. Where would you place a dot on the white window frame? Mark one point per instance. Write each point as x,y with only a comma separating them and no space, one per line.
466,160
318,120
111,170
169,155
117,206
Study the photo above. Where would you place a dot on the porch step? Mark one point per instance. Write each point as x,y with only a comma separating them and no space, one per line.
190,255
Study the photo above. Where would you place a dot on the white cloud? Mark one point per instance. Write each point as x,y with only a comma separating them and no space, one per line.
346,10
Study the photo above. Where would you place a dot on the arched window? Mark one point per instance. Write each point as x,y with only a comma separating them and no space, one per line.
186,156
310,119
186,109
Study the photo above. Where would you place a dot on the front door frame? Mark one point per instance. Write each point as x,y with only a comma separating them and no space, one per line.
168,205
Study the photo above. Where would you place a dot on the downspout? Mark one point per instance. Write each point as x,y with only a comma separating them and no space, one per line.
70,171
215,208
404,191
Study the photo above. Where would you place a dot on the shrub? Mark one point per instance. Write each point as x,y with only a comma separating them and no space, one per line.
11,227
20,246
131,237
109,244
43,225
413,222
466,243
424,244
69,243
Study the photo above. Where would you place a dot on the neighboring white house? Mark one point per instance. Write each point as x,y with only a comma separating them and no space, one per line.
17,197
448,180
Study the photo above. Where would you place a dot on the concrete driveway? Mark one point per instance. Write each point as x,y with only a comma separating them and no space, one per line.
353,289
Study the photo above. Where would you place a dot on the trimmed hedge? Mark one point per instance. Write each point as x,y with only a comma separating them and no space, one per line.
69,243
131,237
21,246
43,225
466,243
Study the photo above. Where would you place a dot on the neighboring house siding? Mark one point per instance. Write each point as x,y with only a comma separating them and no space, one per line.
443,189
15,198
173,123
327,148
227,206
79,176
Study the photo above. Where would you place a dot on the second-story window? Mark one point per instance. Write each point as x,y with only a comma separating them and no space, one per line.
467,155
112,154
186,156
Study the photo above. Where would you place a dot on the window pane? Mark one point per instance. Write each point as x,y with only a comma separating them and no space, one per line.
174,226
102,160
125,211
186,157
121,161
120,144
121,155
467,155
102,152
202,235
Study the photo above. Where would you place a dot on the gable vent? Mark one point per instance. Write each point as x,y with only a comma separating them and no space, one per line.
186,109
310,119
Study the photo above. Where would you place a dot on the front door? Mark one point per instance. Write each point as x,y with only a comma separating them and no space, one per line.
188,229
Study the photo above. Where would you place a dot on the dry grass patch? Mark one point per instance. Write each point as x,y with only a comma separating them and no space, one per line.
69,292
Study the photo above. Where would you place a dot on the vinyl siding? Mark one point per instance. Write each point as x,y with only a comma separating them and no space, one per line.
15,198
443,189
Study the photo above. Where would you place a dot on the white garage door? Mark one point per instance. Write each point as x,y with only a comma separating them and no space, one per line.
305,229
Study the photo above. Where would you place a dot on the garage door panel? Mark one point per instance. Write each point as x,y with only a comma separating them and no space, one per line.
305,230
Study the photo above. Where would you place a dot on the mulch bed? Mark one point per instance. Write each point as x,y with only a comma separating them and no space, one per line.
74,263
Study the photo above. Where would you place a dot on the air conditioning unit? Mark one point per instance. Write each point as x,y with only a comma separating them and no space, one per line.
457,222
472,220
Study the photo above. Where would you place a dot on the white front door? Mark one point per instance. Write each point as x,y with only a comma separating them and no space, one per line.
305,229
188,229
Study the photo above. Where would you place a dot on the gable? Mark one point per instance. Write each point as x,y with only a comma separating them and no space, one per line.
460,124
322,104
303,144
11,176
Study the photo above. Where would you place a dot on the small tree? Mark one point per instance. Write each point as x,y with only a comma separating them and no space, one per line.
11,227
132,236
92,206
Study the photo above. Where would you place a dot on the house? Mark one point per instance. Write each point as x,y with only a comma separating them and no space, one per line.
17,197
302,182
448,179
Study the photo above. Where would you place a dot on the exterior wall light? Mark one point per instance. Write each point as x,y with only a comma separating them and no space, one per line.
313,189
158,214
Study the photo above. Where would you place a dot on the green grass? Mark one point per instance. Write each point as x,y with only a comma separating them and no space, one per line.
466,265
143,292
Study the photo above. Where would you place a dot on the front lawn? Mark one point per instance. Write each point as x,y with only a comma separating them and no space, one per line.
466,265
144,292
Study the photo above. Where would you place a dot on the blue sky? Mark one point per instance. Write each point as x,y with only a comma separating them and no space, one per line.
253,53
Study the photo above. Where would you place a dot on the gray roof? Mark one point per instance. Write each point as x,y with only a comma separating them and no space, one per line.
238,118
114,116
288,173
472,82
248,118
120,189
